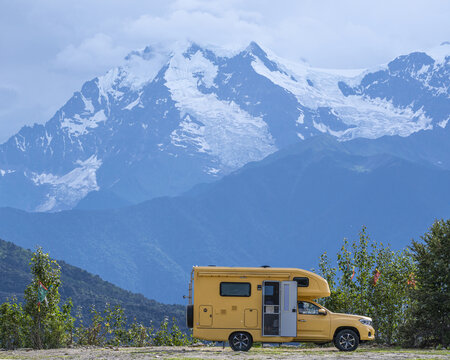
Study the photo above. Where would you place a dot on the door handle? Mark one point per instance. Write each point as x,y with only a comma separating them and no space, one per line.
302,320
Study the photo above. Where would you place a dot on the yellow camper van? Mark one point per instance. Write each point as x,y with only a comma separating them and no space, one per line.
243,305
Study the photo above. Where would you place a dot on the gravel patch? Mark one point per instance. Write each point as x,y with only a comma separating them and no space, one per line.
210,353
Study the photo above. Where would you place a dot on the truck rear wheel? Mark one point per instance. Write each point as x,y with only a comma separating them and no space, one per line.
346,340
240,341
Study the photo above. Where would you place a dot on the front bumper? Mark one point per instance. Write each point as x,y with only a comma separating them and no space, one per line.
366,333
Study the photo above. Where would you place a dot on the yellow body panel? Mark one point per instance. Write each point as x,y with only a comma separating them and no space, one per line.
216,317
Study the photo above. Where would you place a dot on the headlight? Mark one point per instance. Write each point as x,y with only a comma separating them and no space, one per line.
365,322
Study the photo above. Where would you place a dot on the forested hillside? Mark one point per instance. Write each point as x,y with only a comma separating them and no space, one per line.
84,288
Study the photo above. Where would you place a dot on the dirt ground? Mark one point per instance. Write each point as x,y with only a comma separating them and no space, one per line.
188,353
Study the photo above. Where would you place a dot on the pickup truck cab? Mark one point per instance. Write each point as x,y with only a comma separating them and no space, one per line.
320,325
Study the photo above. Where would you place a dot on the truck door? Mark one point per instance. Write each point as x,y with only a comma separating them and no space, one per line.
288,308
311,324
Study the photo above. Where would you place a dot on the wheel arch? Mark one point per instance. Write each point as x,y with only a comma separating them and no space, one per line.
241,331
347,328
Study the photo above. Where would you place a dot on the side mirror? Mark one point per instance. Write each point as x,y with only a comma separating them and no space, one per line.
322,312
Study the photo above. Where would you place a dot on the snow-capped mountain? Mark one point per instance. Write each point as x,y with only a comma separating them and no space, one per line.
165,121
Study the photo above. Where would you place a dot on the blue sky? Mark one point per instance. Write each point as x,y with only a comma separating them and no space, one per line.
50,47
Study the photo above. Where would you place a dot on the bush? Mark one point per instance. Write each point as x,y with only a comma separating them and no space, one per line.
109,328
12,321
105,328
139,335
170,337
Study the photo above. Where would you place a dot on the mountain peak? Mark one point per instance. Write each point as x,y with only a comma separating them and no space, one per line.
191,48
255,50
253,47
146,53
140,67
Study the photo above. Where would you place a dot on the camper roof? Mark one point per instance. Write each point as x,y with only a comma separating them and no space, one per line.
317,286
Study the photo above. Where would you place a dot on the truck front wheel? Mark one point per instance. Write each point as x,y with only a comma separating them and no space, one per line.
240,341
346,340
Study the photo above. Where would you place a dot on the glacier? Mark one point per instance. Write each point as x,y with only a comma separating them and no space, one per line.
168,119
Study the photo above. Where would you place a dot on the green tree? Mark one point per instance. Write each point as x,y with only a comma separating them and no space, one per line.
429,315
355,291
47,326
389,299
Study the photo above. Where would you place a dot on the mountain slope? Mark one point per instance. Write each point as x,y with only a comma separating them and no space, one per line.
282,211
167,120
82,287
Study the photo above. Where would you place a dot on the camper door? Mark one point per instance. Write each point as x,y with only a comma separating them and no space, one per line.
279,305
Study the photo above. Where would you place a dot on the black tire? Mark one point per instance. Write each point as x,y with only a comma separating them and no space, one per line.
240,341
190,316
346,340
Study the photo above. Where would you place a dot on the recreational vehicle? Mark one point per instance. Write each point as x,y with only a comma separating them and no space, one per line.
243,305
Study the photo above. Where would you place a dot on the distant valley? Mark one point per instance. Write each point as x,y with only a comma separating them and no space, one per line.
283,211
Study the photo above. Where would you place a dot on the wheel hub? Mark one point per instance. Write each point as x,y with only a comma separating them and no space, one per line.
347,341
240,341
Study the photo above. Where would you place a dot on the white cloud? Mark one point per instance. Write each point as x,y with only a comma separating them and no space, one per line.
93,54
8,97
228,30
328,33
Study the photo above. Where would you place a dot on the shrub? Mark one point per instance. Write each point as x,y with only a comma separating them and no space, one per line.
12,321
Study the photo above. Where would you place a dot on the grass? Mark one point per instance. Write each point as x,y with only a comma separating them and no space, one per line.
397,349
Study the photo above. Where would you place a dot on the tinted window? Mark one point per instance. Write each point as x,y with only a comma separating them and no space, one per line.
234,289
307,308
302,281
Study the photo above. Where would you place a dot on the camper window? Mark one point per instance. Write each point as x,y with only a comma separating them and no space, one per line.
302,281
271,293
235,289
